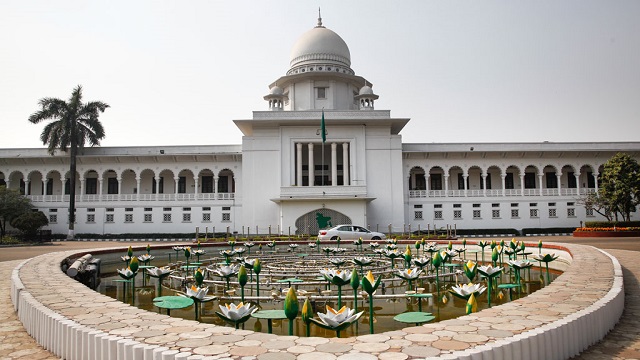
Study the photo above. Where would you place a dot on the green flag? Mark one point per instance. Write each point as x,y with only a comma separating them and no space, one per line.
323,132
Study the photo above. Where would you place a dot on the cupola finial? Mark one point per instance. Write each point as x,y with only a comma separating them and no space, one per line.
319,18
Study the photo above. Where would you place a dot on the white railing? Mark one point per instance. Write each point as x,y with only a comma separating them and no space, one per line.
320,191
132,197
418,193
494,192
437,193
531,192
475,192
456,193
550,192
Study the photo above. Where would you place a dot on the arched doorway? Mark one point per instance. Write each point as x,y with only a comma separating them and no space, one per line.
311,222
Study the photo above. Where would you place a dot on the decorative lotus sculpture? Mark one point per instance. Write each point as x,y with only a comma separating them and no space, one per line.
198,253
409,275
472,304
392,255
145,258
437,261
337,261
236,314
257,267
483,244
407,257
126,273
338,278
518,265
226,271
374,245
249,245
358,244
159,272
197,292
362,262
337,320
546,259
489,272
466,290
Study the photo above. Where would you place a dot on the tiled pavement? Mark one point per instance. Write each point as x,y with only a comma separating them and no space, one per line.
622,343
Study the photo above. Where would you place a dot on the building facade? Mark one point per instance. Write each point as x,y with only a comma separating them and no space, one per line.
287,178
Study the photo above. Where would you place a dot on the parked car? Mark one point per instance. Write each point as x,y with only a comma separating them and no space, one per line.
349,232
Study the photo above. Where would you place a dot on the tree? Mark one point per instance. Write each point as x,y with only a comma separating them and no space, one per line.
12,205
620,185
73,124
30,222
598,204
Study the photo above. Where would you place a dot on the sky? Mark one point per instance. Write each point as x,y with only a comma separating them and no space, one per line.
180,72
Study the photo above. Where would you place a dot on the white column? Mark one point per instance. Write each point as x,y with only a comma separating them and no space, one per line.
426,181
82,191
540,185
465,177
577,175
26,187
559,183
504,183
119,186
312,165
446,185
334,164
176,179
595,180
100,183
299,164
483,178
345,164
522,184
195,185
138,188
215,184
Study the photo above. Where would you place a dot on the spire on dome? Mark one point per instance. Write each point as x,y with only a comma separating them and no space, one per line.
319,19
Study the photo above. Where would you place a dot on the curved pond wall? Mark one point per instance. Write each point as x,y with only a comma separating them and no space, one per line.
556,322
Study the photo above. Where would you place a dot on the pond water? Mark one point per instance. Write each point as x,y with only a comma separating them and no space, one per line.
389,300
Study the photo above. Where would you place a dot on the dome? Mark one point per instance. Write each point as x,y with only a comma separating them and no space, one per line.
276,90
320,46
366,90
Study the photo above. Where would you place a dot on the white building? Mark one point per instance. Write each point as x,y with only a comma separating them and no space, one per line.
285,179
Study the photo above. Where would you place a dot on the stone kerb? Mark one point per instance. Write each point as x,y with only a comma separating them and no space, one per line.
556,322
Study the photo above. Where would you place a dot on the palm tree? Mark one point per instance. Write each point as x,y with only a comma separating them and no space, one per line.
73,123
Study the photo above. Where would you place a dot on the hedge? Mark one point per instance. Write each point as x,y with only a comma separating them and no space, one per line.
610,224
546,231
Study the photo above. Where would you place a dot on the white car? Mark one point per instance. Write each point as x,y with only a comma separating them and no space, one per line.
349,232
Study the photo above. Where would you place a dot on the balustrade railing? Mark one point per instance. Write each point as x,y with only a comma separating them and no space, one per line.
132,197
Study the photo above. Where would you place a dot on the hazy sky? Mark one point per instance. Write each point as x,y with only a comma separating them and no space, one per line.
179,72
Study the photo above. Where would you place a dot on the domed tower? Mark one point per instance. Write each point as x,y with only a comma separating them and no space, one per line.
319,76
366,97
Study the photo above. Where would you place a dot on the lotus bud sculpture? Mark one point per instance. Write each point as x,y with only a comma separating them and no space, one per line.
472,304
257,267
539,246
355,284
272,244
369,285
483,244
494,256
450,246
436,261
337,320
242,280
148,249
236,314
307,315
291,308
489,272
407,257
470,270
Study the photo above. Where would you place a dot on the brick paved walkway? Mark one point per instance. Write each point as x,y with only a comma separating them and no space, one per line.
621,344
